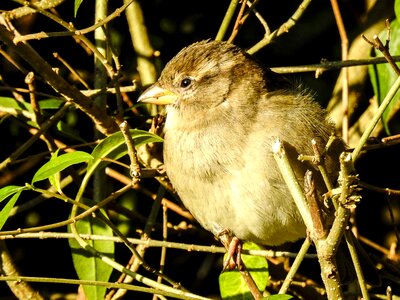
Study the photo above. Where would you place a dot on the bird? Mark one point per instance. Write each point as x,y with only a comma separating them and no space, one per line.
224,110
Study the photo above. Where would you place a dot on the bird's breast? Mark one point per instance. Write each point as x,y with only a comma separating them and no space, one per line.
227,185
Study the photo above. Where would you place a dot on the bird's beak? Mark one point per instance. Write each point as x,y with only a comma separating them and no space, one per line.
158,95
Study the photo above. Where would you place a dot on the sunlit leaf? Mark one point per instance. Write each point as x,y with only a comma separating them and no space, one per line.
55,178
51,103
7,103
114,146
86,265
397,9
77,4
6,192
383,76
60,163
279,297
15,108
231,283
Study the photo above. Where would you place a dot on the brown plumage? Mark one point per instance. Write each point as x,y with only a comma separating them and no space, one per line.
224,111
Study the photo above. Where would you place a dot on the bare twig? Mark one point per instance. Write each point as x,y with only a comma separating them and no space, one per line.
134,165
45,126
332,65
377,44
151,243
43,35
26,10
170,293
103,122
345,79
377,116
310,191
241,18
386,191
227,20
70,27
71,69
295,266
326,248
22,290
142,45
284,28
239,21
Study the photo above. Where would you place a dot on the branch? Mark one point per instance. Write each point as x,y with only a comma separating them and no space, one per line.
332,65
26,10
284,28
169,293
44,35
22,290
326,250
377,116
103,122
227,20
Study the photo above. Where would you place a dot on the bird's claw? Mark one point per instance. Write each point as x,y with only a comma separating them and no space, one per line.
234,255
234,250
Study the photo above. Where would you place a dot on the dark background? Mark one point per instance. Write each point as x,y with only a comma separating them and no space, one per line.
171,26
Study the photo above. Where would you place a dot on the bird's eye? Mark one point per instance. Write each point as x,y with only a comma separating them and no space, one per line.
186,82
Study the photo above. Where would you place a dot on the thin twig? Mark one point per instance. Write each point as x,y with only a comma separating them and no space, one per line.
45,126
42,235
345,79
142,45
104,123
295,266
284,28
71,69
227,20
44,35
239,22
47,280
163,254
30,81
310,191
326,248
332,65
384,49
37,115
21,290
26,10
377,116
134,163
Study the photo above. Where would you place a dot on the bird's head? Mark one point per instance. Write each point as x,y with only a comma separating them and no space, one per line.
205,75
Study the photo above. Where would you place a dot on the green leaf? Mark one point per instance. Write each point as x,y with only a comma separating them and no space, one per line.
86,265
15,108
383,76
231,283
51,103
59,163
11,105
114,146
6,192
7,104
55,179
279,297
76,6
397,9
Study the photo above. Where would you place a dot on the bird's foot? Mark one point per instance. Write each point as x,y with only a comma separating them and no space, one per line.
234,250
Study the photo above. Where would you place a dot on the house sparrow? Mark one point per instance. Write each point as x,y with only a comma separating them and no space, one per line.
224,112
